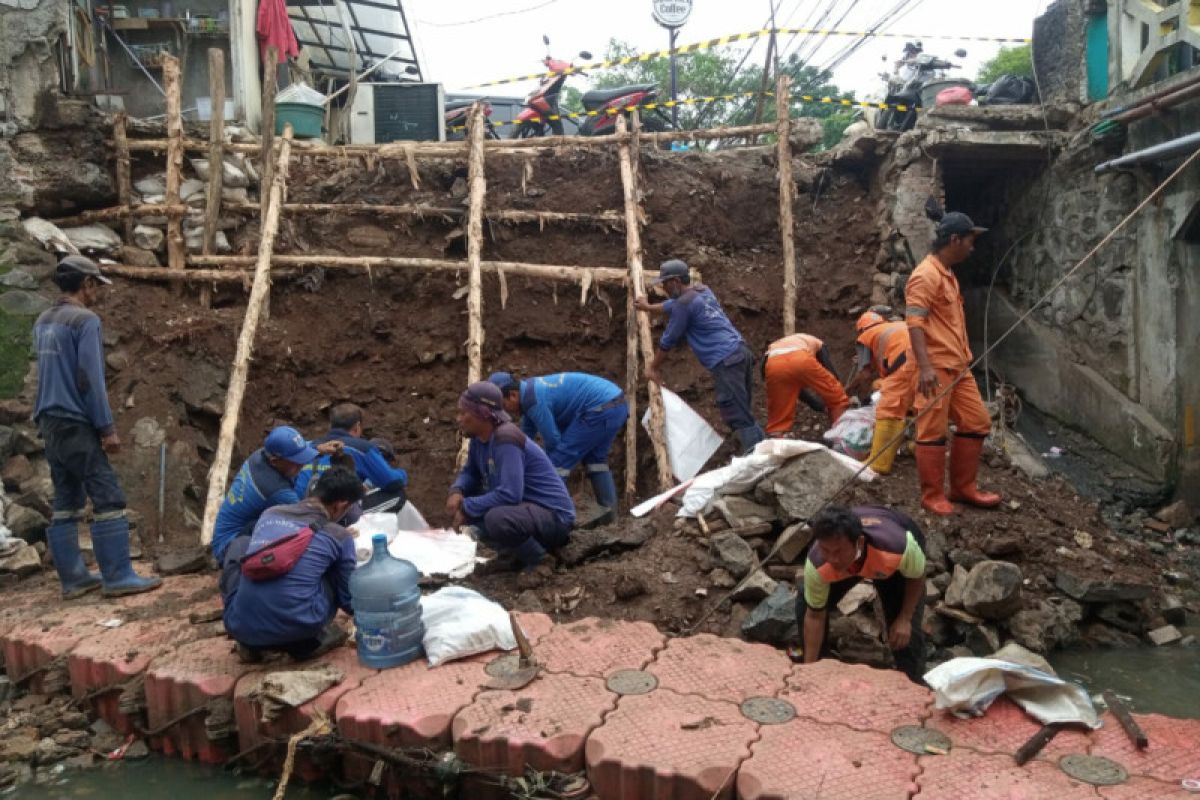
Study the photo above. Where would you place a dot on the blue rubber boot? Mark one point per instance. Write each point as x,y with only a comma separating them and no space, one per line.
110,541
62,537
605,489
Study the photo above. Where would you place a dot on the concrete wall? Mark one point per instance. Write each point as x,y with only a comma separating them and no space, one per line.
29,30
1060,38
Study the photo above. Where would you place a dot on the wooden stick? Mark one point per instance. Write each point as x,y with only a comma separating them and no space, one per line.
545,271
245,345
1035,743
631,358
123,170
192,275
121,212
1121,712
267,131
633,251
787,190
216,158
477,188
176,250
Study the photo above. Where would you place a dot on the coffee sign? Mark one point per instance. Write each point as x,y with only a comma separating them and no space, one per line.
671,13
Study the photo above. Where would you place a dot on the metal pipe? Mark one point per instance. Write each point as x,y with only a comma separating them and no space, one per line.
162,486
1159,152
1159,104
1150,98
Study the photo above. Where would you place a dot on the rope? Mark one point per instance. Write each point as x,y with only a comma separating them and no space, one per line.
318,727
966,372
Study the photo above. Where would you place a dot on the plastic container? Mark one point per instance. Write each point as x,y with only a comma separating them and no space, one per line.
387,609
306,120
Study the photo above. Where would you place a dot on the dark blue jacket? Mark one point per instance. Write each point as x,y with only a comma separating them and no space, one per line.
551,403
256,487
70,353
295,606
697,314
369,463
507,469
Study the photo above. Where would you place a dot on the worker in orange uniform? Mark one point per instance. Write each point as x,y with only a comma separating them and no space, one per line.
947,390
798,367
886,347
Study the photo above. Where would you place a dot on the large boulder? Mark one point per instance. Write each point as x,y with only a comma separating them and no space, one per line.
774,619
93,239
1046,624
1099,589
23,560
732,553
742,512
800,487
954,592
22,303
25,523
993,590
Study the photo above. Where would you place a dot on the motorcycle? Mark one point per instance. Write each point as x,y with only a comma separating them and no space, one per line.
456,120
912,73
542,103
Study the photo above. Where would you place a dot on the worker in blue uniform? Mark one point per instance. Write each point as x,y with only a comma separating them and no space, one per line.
578,417
370,463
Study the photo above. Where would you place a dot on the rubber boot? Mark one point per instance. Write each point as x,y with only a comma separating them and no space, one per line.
931,468
62,537
964,469
110,540
605,489
885,444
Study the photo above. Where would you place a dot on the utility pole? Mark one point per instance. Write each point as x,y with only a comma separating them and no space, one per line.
672,14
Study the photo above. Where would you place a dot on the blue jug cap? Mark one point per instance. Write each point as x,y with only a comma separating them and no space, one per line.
379,538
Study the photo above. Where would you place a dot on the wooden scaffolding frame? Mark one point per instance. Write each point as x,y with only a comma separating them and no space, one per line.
208,269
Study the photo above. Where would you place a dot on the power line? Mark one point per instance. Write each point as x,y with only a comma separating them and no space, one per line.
497,15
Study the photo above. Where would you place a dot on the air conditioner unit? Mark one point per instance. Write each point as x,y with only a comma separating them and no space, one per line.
389,112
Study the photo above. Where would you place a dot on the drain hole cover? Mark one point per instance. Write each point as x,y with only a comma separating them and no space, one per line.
503,666
922,741
768,710
1096,770
632,681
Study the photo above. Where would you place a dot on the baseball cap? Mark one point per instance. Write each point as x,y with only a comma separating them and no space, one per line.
503,380
672,269
287,443
81,265
486,395
956,222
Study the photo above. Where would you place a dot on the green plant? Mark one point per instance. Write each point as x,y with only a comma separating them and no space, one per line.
1009,61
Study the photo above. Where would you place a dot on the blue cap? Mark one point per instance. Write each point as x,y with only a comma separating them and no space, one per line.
287,443
503,381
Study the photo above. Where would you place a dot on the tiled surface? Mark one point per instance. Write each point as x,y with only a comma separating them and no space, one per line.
968,775
1002,731
598,647
857,696
1173,754
722,669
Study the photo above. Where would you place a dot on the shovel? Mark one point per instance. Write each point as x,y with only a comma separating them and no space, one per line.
527,669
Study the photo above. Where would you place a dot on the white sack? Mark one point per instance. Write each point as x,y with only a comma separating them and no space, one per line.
460,623
691,441
436,552
967,686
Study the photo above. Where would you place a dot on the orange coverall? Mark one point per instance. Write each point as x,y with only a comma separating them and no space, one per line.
893,360
791,367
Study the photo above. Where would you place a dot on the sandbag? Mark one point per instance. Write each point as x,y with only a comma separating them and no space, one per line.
853,432
460,622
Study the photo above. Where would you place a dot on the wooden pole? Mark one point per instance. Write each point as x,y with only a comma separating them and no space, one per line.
266,154
633,251
120,212
546,271
123,170
216,158
176,251
259,291
787,190
631,356
477,181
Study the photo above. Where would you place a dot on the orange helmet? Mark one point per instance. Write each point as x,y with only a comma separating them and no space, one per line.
868,320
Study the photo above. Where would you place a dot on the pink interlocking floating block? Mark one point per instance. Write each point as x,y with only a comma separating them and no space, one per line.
252,731
1002,729
410,706
33,643
115,656
1139,788
668,746
598,647
188,679
967,775
721,669
1174,750
543,725
857,696
803,758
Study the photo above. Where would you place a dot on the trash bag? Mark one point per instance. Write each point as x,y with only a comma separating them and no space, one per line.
1010,90
954,96
853,432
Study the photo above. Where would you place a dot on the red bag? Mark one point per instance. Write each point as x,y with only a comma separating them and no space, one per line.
954,96
276,559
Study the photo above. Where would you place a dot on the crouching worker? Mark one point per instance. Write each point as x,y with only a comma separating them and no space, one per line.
508,489
295,574
875,544
370,462
798,367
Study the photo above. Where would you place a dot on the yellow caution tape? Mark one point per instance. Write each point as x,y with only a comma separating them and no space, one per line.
738,37
844,102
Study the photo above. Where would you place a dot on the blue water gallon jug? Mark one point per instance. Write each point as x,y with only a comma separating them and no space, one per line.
387,609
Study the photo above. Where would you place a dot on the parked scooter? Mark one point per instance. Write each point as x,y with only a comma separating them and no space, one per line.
912,73
456,120
543,102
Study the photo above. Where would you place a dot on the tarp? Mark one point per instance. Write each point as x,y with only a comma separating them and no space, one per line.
691,441
968,686
433,551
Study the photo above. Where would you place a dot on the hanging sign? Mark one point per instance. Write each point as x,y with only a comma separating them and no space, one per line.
671,13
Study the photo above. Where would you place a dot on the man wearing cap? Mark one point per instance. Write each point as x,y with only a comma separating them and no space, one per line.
75,420
387,482
508,489
695,313
266,479
578,416
947,390
886,347
798,367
